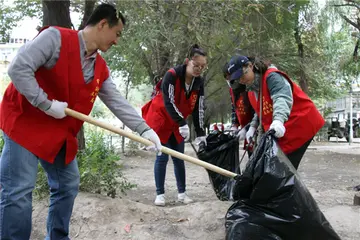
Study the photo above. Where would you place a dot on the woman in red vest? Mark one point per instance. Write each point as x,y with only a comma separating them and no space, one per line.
242,112
215,127
285,107
180,94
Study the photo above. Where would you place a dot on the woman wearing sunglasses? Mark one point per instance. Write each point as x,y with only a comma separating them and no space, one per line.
179,94
285,107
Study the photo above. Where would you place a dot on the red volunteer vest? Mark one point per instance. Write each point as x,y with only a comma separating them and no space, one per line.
157,117
244,115
39,133
304,120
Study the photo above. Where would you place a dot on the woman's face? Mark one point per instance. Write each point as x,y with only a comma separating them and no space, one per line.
248,76
197,65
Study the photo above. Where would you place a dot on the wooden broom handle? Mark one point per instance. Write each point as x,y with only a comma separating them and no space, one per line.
146,142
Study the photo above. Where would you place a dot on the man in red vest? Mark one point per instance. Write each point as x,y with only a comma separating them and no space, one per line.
59,68
285,107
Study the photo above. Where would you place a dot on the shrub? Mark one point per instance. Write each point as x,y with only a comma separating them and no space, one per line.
100,170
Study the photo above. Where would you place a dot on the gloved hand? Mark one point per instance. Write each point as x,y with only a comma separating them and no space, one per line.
279,128
250,134
198,140
185,132
233,128
57,109
153,137
241,134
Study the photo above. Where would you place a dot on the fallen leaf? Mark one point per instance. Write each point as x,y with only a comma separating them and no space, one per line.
182,220
127,228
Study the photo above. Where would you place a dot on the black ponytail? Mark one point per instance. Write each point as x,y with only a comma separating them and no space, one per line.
259,65
196,50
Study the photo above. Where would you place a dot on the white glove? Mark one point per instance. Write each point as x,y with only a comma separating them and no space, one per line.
57,109
241,134
153,137
233,128
185,132
250,134
198,140
279,128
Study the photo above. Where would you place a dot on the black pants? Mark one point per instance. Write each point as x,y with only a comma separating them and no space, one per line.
296,156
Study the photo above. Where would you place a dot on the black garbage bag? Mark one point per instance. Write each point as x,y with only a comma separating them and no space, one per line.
221,150
272,202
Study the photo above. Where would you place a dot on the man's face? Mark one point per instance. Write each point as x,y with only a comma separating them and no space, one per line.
108,36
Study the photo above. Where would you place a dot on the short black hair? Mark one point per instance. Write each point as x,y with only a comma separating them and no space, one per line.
108,12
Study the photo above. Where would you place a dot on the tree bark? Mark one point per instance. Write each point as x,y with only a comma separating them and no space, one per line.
56,13
88,9
127,90
303,81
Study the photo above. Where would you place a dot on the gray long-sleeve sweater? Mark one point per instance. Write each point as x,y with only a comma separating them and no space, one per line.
280,93
44,51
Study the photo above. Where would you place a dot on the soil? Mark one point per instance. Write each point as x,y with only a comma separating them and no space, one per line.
328,175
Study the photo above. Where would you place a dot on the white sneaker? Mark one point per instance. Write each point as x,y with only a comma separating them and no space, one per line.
184,198
160,200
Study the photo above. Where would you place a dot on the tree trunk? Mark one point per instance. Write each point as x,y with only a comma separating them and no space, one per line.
56,13
127,90
88,9
303,81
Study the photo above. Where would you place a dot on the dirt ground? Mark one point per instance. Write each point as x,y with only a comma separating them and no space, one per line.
329,176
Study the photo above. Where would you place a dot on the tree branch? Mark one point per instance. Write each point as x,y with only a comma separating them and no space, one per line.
346,5
350,22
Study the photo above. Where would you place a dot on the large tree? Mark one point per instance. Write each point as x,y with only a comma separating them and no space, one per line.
293,34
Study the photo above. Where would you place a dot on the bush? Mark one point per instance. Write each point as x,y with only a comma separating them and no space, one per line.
100,170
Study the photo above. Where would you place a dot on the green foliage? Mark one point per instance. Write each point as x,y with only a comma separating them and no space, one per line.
29,8
8,21
100,170
41,188
1,141
132,147
159,34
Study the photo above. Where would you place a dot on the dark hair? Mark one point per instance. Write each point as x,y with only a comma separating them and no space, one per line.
225,70
108,12
260,66
196,50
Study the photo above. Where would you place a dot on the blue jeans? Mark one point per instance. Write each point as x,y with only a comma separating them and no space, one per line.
179,168
18,171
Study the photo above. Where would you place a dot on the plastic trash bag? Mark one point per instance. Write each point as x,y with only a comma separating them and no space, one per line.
221,150
272,202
